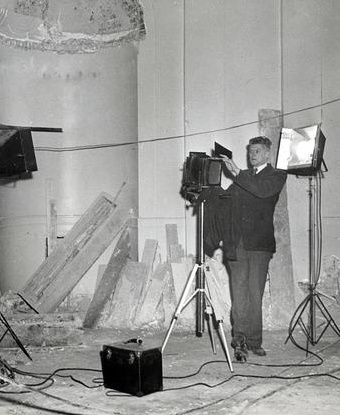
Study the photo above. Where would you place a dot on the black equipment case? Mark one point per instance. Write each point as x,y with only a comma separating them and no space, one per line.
131,368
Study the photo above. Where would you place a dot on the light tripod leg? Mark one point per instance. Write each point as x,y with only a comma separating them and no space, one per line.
313,299
182,304
213,295
224,342
314,302
298,320
327,316
173,321
209,314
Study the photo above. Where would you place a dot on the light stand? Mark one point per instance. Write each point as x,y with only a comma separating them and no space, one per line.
312,302
206,302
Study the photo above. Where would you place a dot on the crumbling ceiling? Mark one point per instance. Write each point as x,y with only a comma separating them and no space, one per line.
70,26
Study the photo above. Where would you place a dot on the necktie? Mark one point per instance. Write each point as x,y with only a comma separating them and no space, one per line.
254,171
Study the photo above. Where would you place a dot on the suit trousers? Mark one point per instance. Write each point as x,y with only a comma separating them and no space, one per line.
248,275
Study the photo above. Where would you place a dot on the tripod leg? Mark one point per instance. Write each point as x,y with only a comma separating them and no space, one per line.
224,342
298,320
326,314
182,303
172,325
209,312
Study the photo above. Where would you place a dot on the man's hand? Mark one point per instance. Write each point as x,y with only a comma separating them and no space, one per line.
230,165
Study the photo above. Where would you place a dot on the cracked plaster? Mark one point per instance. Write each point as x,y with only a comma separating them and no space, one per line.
70,26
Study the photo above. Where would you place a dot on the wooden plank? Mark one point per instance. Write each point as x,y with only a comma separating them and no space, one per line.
122,310
171,238
149,253
100,273
149,258
133,232
180,273
109,280
168,303
74,255
51,217
138,278
176,253
153,296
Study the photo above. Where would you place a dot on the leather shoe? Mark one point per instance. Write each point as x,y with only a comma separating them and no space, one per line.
240,351
259,351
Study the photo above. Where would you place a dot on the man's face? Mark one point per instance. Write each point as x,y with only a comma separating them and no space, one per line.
258,154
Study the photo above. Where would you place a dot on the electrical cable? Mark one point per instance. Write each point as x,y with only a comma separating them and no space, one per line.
176,137
256,376
48,377
111,393
211,386
236,375
292,365
47,395
318,226
31,388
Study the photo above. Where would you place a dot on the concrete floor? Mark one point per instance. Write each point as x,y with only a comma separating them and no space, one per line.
195,381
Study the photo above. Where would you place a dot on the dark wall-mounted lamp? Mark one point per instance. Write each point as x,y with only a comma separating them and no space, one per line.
17,156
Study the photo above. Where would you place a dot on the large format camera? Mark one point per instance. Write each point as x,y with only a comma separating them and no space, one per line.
201,171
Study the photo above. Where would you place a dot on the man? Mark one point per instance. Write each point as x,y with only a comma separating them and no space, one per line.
250,242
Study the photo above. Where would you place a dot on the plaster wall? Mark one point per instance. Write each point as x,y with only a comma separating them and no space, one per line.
205,69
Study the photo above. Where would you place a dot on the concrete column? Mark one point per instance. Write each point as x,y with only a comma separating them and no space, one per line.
282,290
93,98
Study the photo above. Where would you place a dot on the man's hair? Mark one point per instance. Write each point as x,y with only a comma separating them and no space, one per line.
261,140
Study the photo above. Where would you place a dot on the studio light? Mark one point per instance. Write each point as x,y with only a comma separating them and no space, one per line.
300,150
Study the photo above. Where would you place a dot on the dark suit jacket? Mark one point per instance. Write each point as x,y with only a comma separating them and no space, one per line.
248,212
